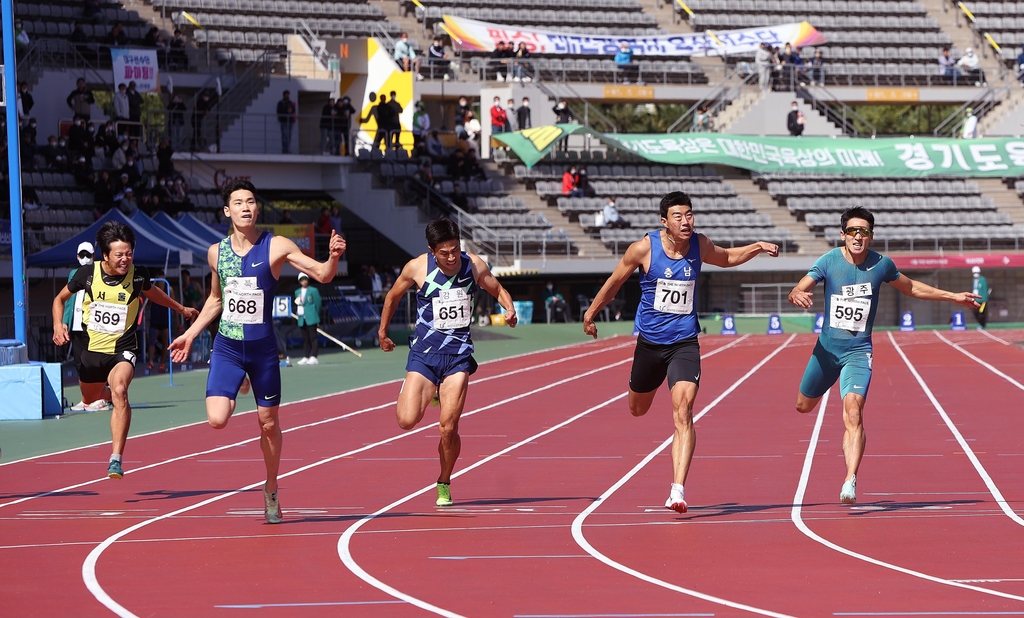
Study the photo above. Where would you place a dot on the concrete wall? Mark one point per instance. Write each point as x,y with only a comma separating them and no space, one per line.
1010,126
257,131
50,93
768,117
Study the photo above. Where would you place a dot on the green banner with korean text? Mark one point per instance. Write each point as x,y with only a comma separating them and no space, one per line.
882,157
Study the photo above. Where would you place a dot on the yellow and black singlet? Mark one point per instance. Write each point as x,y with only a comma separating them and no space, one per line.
110,309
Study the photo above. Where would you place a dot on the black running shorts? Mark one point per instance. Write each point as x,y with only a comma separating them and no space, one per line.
94,367
652,362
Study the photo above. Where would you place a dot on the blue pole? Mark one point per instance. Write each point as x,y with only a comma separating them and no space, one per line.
14,171
170,331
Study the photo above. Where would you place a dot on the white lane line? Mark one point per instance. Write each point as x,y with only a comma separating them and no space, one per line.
344,550
89,566
796,516
577,524
322,604
606,615
971,613
329,395
996,494
517,557
300,427
344,542
993,337
974,358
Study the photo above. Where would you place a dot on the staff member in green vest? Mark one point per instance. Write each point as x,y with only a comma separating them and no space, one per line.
307,309
980,288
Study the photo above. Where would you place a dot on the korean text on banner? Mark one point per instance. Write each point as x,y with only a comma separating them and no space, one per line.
135,65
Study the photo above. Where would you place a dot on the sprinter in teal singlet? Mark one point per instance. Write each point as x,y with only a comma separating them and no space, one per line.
670,261
441,351
853,277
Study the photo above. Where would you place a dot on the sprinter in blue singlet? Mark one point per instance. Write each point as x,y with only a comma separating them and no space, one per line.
853,277
670,263
441,351
246,267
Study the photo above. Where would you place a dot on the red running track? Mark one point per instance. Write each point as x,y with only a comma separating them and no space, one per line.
559,500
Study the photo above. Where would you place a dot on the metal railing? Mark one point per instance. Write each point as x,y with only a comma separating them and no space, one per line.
573,101
982,104
835,110
723,94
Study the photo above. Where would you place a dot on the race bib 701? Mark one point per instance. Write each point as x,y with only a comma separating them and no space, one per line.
671,296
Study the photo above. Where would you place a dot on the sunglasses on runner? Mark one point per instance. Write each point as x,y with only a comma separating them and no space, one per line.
853,231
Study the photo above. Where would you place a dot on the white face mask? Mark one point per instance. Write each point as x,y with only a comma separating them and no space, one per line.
85,261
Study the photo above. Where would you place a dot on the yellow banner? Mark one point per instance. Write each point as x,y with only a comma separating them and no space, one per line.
894,95
629,92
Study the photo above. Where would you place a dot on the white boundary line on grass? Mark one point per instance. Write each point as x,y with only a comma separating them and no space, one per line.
796,516
344,551
982,472
89,566
577,524
306,400
298,427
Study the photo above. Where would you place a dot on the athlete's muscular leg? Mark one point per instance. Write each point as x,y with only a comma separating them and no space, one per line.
219,410
453,399
685,439
854,438
640,403
94,391
417,392
805,404
121,418
270,444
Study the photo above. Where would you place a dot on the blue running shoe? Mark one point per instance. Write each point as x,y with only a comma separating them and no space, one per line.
114,470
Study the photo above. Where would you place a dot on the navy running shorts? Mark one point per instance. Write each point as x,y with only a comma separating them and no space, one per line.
233,359
652,362
852,368
437,367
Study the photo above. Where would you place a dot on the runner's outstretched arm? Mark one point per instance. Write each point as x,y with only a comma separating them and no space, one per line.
923,291
211,310
633,259
801,294
725,258
405,280
489,283
323,272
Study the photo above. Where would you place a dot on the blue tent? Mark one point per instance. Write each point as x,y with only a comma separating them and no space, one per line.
175,225
150,248
169,235
199,229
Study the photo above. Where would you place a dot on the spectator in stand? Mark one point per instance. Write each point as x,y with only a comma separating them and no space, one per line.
82,170
798,67
498,117
1020,67
21,39
405,56
795,120
376,287
437,58
63,162
120,156
787,62
611,215
160,190
203,108
25,101
80,100
434,147
286,118
473,167
816,68
107,138
78,138
117,36
555,304
153,38
499,57
78,35
395,128
970,128
121,105
103,191
164,157
459,198
569,180
328,115
375,113
179,193
177,58
134,110
971,65
323,222
336,218
472,126
343,126
511,121
947,65
776,68
583,183
29,138
459,120
519,64
128,205
176,120
131,168
562,116
523,119
91,9
307,312
762,60
49,151
420,124
702,120
624,62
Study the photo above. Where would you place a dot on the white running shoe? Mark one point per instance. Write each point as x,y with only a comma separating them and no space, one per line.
848,495
303,361
675,500
79,407
272,507
98,406
313,361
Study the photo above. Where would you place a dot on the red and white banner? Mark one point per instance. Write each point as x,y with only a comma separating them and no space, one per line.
932,262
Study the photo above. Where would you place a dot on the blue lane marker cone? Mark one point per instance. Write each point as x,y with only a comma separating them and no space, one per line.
729,325
907,321
774,324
